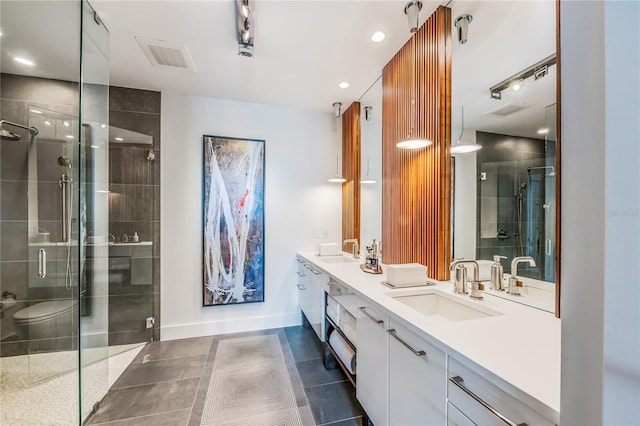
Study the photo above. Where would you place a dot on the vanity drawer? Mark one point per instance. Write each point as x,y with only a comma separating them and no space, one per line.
456,418
484,403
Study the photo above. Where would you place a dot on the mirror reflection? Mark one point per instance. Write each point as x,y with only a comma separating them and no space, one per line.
503,102
371,167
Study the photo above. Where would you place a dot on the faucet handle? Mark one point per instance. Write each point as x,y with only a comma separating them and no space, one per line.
476,290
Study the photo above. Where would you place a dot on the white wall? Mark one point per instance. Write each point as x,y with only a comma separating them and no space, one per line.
300,205
600,213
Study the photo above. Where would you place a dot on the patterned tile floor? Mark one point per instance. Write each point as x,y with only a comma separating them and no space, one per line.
167,383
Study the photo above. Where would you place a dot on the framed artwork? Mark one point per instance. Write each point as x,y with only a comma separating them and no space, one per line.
233,221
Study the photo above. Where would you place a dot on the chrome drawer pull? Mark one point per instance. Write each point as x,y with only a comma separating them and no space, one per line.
392,332
301,274
306,265
363,309
300,287
315,272
457,380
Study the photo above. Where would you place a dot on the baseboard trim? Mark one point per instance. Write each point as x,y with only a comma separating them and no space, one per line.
239,325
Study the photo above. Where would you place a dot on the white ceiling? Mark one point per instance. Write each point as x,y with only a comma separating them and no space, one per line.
303,50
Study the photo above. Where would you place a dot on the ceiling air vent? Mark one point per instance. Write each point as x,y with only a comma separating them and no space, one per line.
508,109
166,54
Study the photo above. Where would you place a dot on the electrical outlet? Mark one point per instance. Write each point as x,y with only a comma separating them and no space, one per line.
149,322
325,233
315,233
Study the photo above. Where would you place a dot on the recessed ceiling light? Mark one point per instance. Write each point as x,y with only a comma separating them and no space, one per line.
66,123
378,36
104,126
543,131
23,61
36,111
69,136
343,85
47,122
119,139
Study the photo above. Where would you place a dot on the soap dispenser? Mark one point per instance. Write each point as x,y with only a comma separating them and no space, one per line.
497,273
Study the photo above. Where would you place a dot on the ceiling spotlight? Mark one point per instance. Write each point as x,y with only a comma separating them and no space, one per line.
66,123
378,36
119,139
412,10
337,106
543,131
517,84
462,25
35,111
367,113
343,85
69,136
24,61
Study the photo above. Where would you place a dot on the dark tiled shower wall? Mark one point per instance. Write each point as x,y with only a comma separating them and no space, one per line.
134,206
504,159
17,95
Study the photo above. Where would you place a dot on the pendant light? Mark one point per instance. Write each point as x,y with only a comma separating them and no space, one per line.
366,178
464,148
412,10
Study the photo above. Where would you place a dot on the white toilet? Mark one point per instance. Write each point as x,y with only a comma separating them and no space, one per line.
46,320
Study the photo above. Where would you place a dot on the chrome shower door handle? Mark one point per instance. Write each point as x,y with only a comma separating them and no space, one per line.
547,246
42,263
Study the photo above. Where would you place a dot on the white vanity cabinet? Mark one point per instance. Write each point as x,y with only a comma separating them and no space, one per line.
371,387
481,402
417,379
310,282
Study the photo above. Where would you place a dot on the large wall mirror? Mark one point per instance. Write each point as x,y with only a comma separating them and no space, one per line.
504,100
371,167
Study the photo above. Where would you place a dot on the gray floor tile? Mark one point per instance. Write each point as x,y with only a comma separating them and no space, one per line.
161,371
174,418
299,333
174,349
356,421
313,373
145,400
201,394
306,350
334,402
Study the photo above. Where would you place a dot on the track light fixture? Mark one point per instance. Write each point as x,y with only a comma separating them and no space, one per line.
516,81
462,26
412,10
245,27
337,106
367,113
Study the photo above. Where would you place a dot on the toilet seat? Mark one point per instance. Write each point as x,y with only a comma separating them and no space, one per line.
43,311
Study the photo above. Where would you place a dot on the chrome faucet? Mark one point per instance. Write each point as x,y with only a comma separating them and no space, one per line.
355,249
514,284
460,281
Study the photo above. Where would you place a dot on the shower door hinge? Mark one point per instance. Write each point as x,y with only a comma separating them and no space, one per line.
150,322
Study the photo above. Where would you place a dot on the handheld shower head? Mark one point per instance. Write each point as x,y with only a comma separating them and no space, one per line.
64,161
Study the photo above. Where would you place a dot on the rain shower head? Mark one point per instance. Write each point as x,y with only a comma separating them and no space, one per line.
10,135
6,134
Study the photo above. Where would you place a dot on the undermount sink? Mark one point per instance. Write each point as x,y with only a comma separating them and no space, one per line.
338,259
433,302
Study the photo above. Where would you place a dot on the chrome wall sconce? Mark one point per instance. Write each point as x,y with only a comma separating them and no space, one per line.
367,113
337,107
516,81
245,28
412,10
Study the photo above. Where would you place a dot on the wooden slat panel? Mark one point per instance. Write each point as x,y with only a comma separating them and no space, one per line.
351,172
416,185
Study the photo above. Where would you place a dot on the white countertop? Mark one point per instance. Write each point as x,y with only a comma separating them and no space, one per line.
520,350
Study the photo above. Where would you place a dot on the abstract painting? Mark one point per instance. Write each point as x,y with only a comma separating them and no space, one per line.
233,221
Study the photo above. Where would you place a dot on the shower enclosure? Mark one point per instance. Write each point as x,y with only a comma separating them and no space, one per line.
53,212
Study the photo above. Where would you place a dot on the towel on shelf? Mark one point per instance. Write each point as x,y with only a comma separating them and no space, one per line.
348,325
328,249
333,310
406,273
344,352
